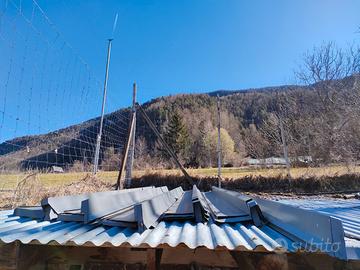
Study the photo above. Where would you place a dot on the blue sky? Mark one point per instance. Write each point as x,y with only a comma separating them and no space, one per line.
198,46
195,46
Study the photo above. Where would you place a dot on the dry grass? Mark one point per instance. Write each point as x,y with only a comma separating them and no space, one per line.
10,181
29,189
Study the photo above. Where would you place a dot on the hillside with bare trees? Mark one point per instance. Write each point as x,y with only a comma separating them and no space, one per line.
319,119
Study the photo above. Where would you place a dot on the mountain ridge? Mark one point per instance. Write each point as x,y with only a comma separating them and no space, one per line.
242,111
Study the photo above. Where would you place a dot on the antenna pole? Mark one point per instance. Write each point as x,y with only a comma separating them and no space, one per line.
98,139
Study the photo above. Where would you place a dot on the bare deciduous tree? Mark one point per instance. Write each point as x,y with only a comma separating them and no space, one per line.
327,71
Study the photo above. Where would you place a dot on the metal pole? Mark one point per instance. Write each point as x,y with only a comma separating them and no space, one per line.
98,140
130,162
219,141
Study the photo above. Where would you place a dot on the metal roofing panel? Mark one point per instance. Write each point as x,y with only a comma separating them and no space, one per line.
71,217
223,208
200,206
116,222
181,209
101,204
317,228
148,212
127,216
30,211
192,235
346,210
231,206
62,203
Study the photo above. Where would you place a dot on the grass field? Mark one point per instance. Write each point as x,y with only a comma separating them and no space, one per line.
9,181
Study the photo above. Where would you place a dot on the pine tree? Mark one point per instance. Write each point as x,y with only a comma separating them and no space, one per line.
177,136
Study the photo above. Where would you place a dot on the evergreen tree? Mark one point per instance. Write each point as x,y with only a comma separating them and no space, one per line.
177,136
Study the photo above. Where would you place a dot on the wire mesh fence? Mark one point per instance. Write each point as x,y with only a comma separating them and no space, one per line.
47,86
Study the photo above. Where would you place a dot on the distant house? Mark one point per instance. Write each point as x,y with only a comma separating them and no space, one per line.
253,162
277,161
57,169
271,161
305,159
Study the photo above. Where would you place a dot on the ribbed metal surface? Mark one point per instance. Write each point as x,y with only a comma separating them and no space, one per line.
346,210
211,236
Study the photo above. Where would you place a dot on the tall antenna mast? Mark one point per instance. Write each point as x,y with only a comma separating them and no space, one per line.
98,140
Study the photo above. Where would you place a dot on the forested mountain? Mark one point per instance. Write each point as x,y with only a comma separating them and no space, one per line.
320,120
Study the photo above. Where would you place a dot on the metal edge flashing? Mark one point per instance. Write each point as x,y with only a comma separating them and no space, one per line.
200,208
148,212
60,204
317,230
49,213
35,212
99,205
182,209
245,203
71,217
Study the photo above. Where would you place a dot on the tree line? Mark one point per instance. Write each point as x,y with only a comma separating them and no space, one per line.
319,118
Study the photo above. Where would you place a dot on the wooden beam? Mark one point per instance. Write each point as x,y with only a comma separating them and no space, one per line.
119,183
131,151
153,258
8,256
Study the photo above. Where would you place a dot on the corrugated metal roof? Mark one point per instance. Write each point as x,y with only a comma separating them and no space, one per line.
155,217
346,210
193,235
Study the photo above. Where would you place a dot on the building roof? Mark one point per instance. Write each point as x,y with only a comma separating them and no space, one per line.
348,211
193,235
157,217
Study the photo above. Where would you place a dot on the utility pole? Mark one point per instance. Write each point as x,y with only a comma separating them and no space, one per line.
130,161
219,141
98,139
284,145
120,182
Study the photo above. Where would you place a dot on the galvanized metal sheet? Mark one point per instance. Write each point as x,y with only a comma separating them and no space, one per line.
79,217
148,212
100,204
62,203
231,206
116,223
309,226
201,209
181,209
346,210
30,211
223,210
